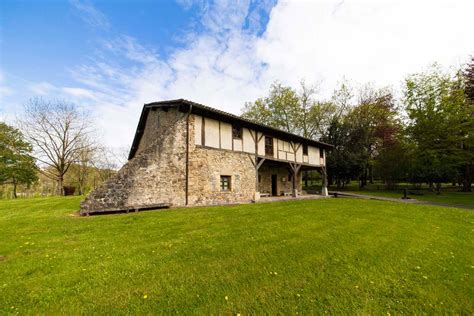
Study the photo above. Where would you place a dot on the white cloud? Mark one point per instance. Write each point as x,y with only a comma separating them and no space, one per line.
90,14
379,41
230,63
42,88
79,92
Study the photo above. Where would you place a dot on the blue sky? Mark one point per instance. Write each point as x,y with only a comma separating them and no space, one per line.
42,39
113,56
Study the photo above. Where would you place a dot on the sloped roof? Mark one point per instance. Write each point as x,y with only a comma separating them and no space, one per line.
200,109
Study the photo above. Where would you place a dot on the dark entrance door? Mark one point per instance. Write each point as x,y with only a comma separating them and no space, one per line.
274,184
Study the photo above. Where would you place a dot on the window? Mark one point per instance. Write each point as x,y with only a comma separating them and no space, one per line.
225,183
236,132
321,153
259,178
268,145
305,150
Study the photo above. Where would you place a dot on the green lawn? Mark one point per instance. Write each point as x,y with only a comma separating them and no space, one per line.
340,256
449,197
449,194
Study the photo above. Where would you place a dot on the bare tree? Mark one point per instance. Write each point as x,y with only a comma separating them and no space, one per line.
60,133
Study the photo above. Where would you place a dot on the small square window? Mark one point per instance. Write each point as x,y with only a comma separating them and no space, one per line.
236,132
225,183
305,150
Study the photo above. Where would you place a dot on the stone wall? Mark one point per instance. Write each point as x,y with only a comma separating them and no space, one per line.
206,165
157,172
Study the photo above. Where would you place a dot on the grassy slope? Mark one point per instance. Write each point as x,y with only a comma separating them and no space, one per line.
334,255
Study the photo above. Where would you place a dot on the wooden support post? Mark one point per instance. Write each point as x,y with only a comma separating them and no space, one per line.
295,168
257,164
324,188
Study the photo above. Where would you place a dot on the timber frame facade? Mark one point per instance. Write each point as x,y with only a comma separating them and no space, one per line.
185,153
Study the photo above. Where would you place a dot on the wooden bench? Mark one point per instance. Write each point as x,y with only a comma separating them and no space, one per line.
264,194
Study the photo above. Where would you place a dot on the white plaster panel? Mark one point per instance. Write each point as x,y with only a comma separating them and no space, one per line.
237,145
313,155
281,155
305,158
280,145
211,128
197,130
261,145
249,143
275,150
299,154
290,156
226,136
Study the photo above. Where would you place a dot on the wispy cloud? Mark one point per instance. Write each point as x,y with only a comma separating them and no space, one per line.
42,88
234,54
79,92
90,14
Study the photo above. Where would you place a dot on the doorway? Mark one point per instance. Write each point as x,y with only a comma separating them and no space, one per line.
274,185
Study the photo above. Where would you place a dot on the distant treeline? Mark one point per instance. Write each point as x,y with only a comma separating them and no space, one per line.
425,136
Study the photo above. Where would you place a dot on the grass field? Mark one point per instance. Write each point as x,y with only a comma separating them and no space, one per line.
449,197
449,194
332,255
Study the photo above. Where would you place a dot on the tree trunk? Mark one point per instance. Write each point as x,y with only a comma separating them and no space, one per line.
14,188
467,179
60,189
371,174
438,187
430,186
467,185
293,178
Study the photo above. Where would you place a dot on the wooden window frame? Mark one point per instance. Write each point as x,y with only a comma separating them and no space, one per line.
239,133
270,144
305,150
229,183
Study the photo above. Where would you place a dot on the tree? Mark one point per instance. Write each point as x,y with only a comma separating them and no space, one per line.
439,124
467,132
16,164
59,132
280,109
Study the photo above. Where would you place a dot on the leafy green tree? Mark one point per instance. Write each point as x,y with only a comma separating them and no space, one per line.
467,130
16,164
279,109
439,122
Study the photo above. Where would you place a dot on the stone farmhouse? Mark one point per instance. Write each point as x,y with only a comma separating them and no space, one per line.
186,153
